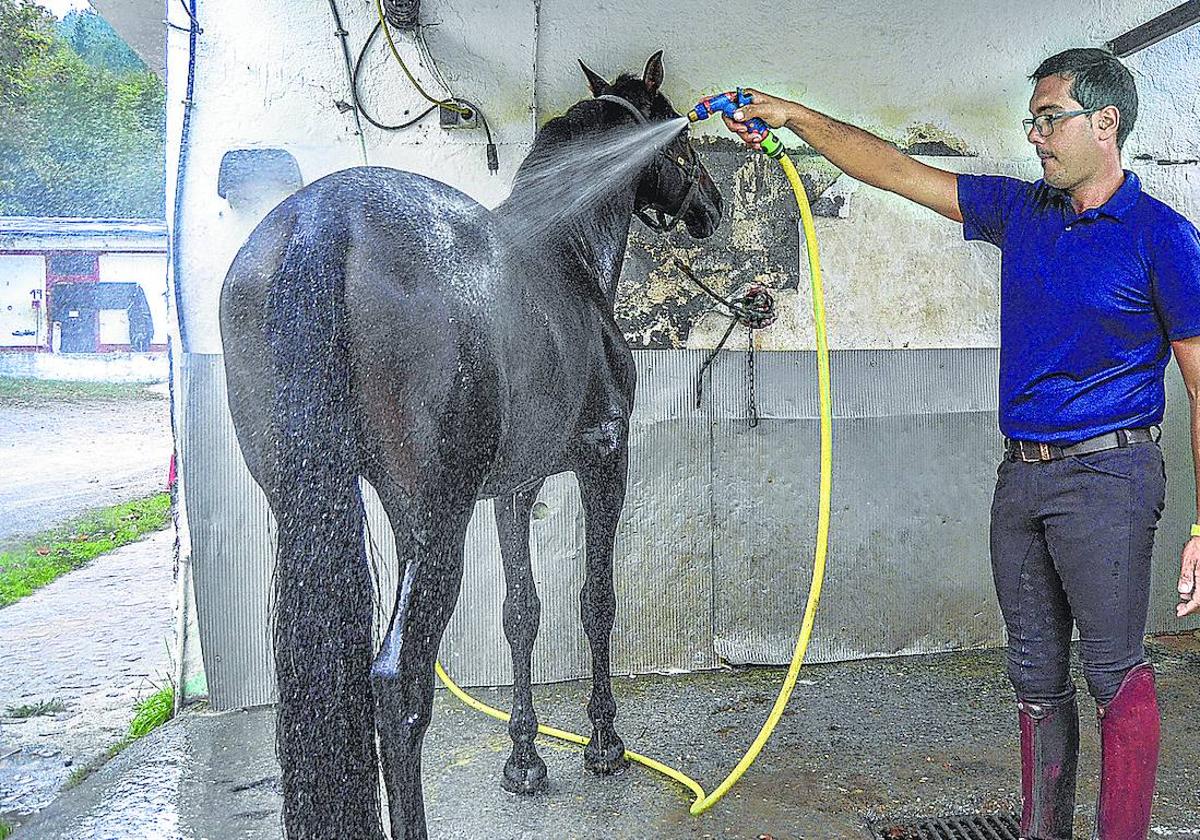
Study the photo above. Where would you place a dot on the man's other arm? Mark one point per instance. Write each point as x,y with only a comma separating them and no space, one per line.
1187,355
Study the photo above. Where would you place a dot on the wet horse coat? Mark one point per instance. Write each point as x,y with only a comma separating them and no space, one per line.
384,325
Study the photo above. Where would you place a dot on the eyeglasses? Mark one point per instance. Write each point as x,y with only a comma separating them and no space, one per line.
1045,123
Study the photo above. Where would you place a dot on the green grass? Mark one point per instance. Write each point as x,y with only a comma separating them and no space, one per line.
29,710
15,390
153,712
149,713
37,561
5,830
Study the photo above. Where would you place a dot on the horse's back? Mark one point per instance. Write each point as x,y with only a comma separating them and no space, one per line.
400,243
402,268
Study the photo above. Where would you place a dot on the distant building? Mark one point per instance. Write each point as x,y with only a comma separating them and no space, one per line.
82,285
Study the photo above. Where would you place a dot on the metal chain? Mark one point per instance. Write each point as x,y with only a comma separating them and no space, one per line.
753,406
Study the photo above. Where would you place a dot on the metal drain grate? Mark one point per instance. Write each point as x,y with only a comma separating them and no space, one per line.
972,827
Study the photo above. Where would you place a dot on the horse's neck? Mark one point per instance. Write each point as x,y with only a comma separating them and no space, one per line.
590,244
599,248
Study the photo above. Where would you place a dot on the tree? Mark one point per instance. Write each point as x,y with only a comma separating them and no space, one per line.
75,139
26,34
97,43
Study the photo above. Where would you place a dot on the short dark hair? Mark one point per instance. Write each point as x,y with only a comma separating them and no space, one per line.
1097,80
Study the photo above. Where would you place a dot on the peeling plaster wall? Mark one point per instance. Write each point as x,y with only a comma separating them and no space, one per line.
897,275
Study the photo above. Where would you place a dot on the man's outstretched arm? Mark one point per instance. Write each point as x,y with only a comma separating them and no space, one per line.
858,153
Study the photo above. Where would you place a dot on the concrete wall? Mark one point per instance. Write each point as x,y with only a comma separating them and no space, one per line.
19,275
87,367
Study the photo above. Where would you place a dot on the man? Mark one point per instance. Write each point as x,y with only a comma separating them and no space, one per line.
1099,284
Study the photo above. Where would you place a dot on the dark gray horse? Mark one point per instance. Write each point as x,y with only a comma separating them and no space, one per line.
384,325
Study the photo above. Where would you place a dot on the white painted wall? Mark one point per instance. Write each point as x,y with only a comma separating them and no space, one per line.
150,272
114,326
87,367
270,74
18,276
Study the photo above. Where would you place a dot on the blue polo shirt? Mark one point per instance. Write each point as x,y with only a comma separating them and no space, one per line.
1089,303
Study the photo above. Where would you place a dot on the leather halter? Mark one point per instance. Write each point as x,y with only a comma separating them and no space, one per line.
661,221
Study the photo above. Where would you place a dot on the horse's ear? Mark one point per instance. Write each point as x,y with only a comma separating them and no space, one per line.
652,76
595,80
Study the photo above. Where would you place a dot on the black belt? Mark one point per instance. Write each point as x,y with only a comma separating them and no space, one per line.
1033,451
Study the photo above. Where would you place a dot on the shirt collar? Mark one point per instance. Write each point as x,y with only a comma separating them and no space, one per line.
1118,203
1125,197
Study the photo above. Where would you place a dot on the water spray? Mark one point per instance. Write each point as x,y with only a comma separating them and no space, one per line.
727,103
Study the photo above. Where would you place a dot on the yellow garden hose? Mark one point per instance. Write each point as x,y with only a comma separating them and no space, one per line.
702,800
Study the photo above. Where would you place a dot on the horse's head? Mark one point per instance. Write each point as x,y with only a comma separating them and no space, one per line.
674,185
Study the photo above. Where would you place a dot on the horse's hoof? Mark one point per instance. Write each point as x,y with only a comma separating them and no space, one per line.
525,781
605,755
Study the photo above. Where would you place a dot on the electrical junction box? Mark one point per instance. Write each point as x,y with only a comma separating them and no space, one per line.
448,118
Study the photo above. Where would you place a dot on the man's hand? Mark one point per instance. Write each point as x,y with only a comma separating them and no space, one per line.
1189,580
770,109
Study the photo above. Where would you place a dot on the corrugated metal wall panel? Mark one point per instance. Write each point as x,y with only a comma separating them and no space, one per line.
664,542
232,535
914,452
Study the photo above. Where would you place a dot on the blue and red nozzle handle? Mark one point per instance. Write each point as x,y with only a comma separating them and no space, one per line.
727,103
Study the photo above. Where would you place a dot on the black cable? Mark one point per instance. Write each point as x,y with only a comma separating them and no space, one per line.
341,33
358,103
493,158
191,16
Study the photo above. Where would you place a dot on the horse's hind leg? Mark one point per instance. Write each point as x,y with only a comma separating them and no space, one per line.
524,772
430,533
602,486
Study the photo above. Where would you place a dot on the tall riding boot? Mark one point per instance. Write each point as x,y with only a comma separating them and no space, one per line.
1049,753
1129,737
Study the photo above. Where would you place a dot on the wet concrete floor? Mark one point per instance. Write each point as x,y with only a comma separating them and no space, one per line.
92,643
886,738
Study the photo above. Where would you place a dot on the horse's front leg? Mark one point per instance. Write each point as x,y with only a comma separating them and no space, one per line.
524,772
602,487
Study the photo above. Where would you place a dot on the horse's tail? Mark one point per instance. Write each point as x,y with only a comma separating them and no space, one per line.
325,736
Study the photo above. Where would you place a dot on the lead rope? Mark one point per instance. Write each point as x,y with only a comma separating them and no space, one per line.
756,311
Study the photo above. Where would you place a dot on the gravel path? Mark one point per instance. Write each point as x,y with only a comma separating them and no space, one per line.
60,459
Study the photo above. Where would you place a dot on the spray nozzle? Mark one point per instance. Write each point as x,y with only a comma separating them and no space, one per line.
727,103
